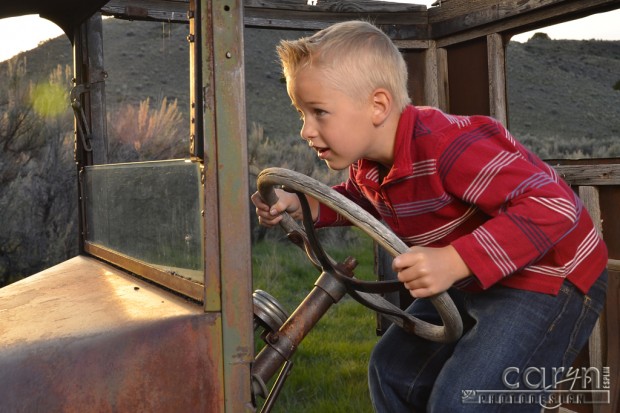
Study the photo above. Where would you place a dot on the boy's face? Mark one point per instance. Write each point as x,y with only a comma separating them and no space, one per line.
336,126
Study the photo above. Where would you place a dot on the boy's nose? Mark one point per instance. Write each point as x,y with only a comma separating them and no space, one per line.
307,133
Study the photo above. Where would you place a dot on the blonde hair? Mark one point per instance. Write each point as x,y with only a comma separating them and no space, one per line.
355,56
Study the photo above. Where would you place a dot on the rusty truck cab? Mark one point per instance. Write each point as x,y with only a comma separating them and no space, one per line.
156,313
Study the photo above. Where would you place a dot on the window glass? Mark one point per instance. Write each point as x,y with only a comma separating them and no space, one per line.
150,211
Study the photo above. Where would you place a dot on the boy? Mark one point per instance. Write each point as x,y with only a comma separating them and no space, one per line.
485,218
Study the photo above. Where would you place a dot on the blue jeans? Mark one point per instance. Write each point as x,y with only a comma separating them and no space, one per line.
507,332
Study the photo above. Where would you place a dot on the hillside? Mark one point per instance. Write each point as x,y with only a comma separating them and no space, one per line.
561,94
561,88
556,88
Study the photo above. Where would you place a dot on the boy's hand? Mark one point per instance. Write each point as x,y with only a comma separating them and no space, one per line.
271,216
429,271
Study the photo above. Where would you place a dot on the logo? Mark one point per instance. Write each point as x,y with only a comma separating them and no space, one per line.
549,389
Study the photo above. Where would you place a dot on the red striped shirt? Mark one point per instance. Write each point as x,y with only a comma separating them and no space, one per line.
466,181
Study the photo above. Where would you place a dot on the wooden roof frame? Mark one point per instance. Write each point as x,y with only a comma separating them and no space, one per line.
450,22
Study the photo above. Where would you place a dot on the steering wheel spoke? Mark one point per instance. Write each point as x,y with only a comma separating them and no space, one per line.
367,293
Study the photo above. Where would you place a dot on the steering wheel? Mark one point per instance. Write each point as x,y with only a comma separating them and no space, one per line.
367,293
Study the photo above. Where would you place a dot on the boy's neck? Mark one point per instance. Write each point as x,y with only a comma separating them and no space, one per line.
386,134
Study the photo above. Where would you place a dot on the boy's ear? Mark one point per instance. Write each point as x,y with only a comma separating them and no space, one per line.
381,105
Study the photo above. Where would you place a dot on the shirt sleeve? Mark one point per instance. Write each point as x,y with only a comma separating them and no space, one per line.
530,209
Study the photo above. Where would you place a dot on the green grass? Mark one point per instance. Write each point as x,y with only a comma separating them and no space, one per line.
329,370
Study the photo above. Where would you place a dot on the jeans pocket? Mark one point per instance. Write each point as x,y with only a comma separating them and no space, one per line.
595,298
591,307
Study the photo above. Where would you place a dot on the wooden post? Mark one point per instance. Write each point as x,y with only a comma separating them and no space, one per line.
430,78
497,77
443,86
596,344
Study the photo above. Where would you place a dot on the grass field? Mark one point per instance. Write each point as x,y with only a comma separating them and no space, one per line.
329,371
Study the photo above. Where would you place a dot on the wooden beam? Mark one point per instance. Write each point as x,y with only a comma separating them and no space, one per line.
443,85
612,320
473,13
431,77
604,174
158,10
455,22
401,20
413,44
403,25
496,58
335,6
596,343
398,20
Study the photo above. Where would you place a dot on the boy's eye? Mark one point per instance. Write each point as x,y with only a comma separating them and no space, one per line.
319,112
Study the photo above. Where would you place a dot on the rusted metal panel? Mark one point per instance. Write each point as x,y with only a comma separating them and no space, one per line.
84,336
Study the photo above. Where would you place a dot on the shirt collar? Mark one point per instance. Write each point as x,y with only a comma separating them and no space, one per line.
368,171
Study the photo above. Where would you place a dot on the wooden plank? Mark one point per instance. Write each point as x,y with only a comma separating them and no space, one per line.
431,78
604,174
443,85
470,27
366,6
458,16
481,11
497,78
613,265
404,25
158,10
403,21
590,198
596,343
612,315
413,44
410,19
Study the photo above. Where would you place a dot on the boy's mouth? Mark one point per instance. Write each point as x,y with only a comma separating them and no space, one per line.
321,152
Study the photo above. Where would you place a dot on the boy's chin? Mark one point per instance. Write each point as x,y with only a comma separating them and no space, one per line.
336,166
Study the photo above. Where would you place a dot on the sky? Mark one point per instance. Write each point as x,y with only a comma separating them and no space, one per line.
27,32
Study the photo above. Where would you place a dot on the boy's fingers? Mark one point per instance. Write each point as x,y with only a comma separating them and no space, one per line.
269,222
278,208
258,201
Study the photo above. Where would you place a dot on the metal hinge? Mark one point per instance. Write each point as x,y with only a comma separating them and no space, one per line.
80,116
